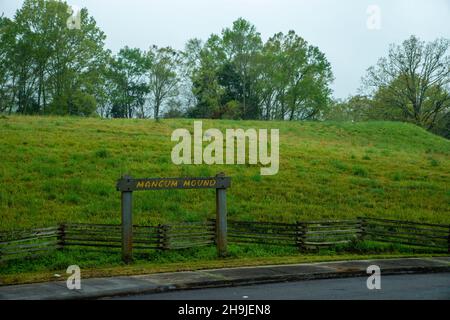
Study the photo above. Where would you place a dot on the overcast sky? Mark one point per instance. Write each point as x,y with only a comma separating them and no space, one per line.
339,28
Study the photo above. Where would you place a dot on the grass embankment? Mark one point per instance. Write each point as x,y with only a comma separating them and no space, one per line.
55,169
65,169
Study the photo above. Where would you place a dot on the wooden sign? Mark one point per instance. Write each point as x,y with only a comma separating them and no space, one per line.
129,184
126,185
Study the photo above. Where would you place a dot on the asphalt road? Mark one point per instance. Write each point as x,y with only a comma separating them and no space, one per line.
412,286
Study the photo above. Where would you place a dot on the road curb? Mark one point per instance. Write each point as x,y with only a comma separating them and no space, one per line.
103,288
266,280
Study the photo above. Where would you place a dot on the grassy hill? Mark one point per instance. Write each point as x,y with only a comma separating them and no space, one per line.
56,169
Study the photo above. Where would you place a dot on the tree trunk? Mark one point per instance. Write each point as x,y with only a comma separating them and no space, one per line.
156,111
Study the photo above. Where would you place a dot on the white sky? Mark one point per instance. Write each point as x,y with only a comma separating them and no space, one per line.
337,27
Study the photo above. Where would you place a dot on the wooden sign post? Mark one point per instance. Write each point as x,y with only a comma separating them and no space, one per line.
127,185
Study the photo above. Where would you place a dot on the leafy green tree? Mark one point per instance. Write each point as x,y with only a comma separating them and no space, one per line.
295,78
6,80
241,45
238,76
51,66
174,109
190,64
164,78
205,79
413,82
128,83
355,108
226,72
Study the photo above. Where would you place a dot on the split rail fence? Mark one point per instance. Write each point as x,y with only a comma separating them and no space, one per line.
304,235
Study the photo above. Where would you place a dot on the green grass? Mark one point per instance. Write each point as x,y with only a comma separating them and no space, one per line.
56,169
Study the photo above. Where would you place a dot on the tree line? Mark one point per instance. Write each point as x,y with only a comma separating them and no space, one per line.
48,68
411,84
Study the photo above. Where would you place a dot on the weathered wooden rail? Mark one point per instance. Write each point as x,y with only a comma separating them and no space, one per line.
270,233
303,234
21,243
330,233
406,232
188,235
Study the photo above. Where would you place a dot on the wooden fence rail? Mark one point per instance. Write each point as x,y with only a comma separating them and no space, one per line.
303,234
407,233
282,234
21,243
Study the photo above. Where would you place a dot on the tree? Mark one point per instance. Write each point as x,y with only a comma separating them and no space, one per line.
163,76
355,108
225,73
50,67
128,83
174,109
295,78
191,57
6,41
238,76
204,76
241,45
414,81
